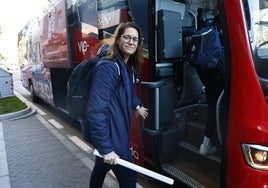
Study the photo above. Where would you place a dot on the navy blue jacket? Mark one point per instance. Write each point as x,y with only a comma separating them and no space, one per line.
111,102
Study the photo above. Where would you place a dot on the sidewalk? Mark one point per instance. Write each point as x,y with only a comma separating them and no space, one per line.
33,153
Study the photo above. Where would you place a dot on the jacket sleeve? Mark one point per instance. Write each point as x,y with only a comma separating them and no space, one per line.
135,101
104,82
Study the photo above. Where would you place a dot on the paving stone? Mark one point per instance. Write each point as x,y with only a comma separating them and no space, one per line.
36,158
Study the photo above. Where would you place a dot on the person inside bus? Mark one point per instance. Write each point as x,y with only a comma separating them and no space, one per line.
111,102
213,81
213,86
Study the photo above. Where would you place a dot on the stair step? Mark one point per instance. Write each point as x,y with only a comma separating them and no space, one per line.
195,151
181,176
194,169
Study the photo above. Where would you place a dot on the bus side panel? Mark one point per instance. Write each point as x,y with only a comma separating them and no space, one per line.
35,76
83,46
248,109
83,30
110,14
54,38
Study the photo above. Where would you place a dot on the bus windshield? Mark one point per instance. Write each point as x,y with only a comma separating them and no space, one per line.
259,17
257,20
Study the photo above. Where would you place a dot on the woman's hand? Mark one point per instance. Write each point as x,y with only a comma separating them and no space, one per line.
143,112
110,158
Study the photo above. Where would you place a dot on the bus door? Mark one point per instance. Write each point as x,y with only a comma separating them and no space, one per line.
247,142
176,97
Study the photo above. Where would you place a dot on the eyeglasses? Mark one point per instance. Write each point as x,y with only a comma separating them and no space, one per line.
128,38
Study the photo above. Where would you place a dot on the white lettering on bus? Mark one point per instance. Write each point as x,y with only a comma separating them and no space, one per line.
103,21
134,153
83,45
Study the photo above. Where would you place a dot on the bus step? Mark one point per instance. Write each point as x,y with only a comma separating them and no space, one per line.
195,150
181,176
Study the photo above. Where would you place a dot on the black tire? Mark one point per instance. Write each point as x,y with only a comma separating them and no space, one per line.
34,97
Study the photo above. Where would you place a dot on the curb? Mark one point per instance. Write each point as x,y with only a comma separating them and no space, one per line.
4,172
16,114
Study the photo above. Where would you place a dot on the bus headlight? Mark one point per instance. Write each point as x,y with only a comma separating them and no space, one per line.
256,156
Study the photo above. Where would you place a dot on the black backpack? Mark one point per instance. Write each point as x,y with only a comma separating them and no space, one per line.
206,50
78,88
78,85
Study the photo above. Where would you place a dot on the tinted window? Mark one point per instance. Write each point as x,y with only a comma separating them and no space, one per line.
257,21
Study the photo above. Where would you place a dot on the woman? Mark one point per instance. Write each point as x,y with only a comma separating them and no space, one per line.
111,102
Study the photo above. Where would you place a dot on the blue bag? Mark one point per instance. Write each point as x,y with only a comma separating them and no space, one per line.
206,50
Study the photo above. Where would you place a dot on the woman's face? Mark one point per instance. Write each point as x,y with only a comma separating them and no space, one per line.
128,42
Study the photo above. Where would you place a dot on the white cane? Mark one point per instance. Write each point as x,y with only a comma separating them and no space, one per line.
140,169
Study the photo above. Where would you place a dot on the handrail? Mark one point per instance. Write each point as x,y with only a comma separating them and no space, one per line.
218,124
155,85
152,132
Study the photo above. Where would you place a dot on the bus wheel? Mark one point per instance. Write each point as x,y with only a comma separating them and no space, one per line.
34,97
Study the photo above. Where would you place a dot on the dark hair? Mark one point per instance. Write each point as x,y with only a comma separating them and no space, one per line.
135,59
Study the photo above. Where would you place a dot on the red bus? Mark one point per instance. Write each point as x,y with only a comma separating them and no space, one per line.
71,31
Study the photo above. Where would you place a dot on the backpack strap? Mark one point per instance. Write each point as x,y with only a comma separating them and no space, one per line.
118,68
115,62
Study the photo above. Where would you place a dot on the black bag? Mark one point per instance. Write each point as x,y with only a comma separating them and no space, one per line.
83,89
206,50
79,83
78,87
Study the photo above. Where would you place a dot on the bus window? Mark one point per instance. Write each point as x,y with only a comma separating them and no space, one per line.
257,15
87,11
